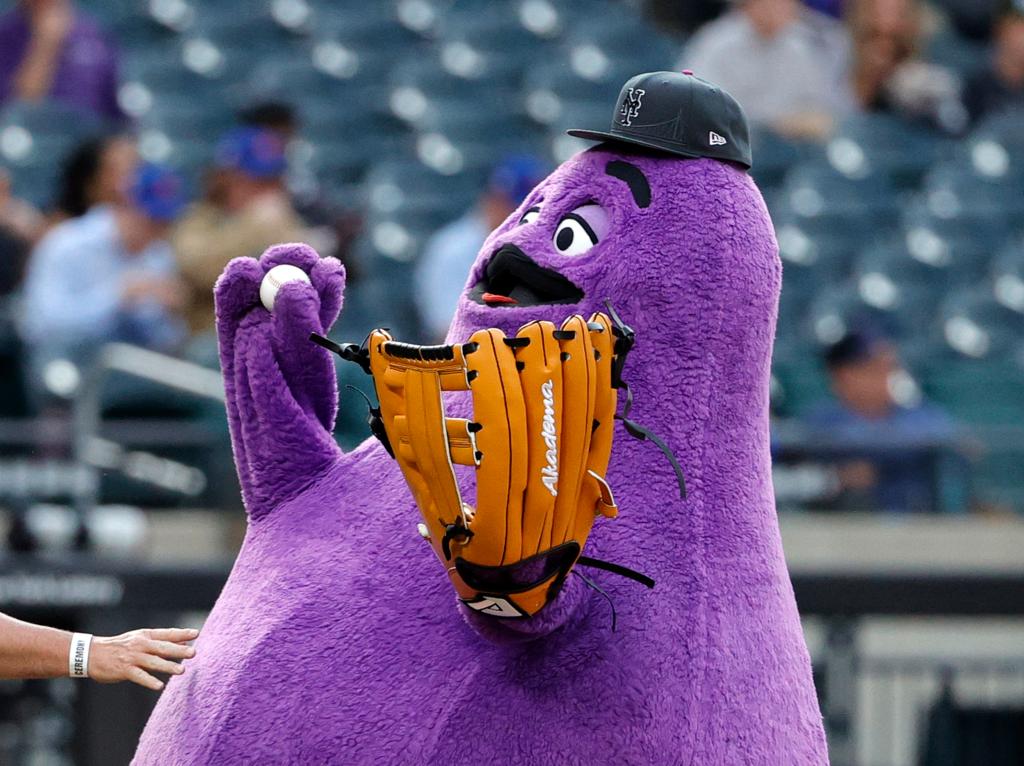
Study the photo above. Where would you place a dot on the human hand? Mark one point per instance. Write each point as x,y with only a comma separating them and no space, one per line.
131,656
167,291
918,86
271,204
857,476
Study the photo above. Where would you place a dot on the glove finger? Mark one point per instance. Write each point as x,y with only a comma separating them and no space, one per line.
579,379
235,294
501,475
540,376
595,493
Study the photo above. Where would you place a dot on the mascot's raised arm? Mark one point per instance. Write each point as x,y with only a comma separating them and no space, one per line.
462,587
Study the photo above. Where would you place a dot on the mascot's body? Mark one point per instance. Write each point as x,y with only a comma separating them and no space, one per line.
338,640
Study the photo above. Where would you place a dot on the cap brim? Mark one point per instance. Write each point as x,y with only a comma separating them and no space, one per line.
599,135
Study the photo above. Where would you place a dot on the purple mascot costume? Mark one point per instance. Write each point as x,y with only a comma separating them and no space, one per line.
338,639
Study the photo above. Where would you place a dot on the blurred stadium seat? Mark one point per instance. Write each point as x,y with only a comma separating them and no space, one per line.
488,44
887,145
34,139
977,326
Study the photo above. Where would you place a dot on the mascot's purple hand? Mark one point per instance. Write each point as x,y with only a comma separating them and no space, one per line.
281,388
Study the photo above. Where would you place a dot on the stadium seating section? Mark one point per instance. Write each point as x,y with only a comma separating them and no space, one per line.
406,104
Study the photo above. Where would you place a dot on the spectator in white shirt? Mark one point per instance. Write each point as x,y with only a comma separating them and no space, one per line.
444,266
787,65
109,275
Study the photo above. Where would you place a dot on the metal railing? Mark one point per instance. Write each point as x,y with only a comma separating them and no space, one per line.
97,453
875,706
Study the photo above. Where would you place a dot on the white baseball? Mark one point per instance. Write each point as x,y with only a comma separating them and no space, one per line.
274,279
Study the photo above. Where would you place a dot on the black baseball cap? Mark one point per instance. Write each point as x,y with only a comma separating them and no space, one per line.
856,345
679,113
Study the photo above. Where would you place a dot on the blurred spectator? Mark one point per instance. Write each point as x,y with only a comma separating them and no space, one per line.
974,19
444,265
246,212
786,64
1000,85
107,276
48,49
892,442
888,73
97,172
337,224
280,118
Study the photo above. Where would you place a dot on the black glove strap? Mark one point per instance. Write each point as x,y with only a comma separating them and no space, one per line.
637,431
350,352
618,569
598,589
375,421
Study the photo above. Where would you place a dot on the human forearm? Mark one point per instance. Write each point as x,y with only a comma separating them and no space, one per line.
32,651
35,76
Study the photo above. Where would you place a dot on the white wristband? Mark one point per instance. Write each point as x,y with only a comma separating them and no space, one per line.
78,657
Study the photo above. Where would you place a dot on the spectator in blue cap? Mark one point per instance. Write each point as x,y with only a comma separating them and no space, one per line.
250,211
444,265
108,275
256,154
892,440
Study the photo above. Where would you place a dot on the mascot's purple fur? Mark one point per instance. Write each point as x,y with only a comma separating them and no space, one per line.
338,638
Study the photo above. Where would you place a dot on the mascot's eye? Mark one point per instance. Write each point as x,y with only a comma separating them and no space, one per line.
530,216
581,229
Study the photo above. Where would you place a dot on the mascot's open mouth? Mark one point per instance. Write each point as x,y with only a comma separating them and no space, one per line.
512,278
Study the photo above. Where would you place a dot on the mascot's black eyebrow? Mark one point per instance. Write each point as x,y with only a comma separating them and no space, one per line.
634,178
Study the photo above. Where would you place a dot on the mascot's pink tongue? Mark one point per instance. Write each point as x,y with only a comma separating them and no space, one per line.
490,298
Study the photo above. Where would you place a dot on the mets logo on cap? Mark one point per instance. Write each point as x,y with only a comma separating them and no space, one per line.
631,106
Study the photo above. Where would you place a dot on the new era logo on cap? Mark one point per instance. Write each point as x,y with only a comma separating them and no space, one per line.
716,140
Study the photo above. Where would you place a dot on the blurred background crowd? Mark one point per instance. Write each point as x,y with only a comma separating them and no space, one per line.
145,144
